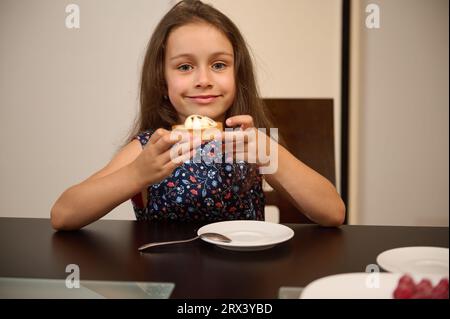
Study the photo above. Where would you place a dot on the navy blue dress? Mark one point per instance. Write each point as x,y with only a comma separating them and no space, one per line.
203,191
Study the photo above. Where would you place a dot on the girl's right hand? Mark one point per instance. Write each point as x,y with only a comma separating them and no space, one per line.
161,156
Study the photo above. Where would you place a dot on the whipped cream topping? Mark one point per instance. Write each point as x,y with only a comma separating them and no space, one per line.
196,122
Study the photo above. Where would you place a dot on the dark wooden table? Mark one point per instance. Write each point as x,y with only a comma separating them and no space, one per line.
107,250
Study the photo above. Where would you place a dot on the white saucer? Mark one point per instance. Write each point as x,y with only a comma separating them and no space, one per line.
247,235
415,260
358,286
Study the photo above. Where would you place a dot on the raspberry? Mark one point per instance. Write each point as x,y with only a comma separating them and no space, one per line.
406,280
405,288
424,285
440,291
424,289
443,283
403,292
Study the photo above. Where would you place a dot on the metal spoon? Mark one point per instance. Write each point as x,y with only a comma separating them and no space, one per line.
212,236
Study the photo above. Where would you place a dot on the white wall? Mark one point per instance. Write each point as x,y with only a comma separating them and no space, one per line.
68,97
401,130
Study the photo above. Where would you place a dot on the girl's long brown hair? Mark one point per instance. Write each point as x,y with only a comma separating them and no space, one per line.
156,110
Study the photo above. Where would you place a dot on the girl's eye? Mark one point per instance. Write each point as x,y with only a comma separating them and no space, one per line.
221,64
184,67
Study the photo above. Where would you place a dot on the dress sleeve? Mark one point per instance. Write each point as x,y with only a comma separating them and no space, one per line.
137,200
144,137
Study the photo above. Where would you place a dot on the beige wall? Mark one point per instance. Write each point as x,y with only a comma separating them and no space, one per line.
400,115
68,97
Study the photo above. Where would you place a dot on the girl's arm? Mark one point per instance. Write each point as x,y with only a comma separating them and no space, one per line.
127,174
93,198
309,191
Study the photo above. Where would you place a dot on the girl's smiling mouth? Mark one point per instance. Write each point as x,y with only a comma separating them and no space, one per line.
203,99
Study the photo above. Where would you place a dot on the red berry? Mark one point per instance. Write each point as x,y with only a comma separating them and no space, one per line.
435,294
403,292
424,285
405,288
424,289
440,291
444,283
406,279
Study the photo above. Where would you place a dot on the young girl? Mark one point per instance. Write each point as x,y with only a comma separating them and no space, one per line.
196,63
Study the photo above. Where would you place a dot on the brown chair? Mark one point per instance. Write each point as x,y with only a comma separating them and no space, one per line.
306,126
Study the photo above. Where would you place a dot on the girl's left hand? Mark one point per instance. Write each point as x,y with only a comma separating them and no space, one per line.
246,141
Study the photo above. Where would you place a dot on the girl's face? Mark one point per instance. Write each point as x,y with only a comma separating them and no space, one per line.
199,71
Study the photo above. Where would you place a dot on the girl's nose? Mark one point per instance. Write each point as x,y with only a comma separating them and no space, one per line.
203,78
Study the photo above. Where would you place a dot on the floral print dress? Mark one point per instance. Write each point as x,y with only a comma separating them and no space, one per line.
203,190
